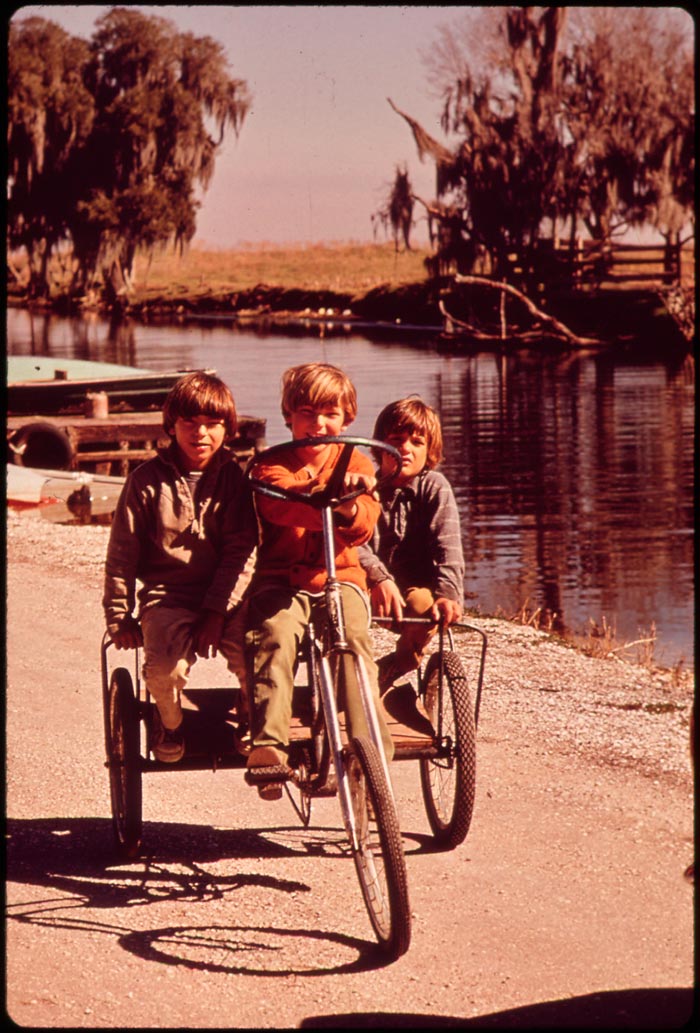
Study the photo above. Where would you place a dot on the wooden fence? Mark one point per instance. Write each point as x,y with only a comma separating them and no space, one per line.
585,265
592,263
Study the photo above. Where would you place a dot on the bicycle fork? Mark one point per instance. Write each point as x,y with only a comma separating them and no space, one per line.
338,648
334,736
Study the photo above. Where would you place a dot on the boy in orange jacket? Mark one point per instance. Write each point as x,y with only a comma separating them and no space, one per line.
318,400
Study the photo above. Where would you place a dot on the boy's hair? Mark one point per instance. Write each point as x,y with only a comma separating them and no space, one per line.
317,384
200,393
411,414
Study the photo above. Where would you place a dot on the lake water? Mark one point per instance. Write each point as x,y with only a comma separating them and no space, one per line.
573,472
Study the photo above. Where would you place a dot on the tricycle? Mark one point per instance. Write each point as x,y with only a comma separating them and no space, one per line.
436,726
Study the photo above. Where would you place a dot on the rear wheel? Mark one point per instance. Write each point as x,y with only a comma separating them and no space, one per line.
379,857
449,779
124,763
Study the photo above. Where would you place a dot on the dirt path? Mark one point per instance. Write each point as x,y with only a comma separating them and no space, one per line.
565,906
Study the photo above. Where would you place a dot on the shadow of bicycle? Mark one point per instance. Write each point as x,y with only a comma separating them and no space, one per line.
74,861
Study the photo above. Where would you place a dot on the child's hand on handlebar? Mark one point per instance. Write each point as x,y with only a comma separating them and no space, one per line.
446,610
128,635
352,482
387,600
206,633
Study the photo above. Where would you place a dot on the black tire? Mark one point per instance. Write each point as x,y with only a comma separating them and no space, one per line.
379,859
449,780
124,757
42,444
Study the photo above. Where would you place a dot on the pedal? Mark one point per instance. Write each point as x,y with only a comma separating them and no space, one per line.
274,773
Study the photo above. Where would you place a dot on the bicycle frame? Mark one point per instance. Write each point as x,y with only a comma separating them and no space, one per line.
445,631
104,668
338,648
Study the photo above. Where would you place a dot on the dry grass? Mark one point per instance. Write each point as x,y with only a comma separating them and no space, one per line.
350,268
539,619
599,639
345,268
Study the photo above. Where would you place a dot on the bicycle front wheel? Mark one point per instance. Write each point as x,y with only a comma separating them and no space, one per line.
379,857
449,779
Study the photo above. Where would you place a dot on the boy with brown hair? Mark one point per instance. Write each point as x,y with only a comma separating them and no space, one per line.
185,528
415,565
318,400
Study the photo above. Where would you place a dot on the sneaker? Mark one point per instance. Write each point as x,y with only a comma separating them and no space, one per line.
167,744
270,791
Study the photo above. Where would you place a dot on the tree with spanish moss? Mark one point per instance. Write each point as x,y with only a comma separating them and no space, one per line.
397,210
579,120
109,140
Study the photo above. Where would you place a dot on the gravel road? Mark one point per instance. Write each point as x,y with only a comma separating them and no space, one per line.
565,907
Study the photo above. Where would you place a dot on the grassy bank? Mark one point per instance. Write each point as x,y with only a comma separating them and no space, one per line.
346,268
371,280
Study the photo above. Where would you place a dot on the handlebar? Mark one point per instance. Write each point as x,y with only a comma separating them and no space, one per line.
329,495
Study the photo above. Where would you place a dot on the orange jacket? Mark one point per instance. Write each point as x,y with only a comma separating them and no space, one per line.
292,539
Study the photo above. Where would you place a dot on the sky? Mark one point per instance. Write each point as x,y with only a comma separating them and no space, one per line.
318,149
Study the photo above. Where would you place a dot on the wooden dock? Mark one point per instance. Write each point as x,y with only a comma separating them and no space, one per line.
111,445
95,417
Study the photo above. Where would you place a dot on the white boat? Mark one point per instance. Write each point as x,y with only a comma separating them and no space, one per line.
62,496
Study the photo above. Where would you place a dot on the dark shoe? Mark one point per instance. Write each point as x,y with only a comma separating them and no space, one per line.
270,791
387,672
266,756
391,668
167,744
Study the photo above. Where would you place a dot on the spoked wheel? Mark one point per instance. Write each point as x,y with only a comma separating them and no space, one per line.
124,763
379,858
449,780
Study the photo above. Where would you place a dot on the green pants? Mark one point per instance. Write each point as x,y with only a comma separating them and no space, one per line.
414,638
169,654
277,620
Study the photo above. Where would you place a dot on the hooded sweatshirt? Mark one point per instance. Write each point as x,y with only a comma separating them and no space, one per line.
187,549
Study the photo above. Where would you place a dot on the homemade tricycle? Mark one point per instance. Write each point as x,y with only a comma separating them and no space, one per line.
323,759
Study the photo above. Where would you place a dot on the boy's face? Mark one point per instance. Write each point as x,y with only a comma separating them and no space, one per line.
198,439
413,447
317,421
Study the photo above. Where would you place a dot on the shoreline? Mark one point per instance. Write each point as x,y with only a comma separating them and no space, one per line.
619,318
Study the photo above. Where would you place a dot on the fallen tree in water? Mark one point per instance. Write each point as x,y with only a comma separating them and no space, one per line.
543,323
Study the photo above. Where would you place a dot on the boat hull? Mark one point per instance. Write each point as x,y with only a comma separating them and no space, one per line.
63,496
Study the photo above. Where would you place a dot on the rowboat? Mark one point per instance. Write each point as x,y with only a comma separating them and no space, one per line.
63,496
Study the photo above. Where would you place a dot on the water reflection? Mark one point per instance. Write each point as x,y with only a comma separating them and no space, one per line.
573,473
579,494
